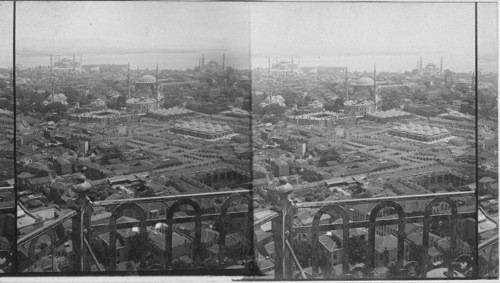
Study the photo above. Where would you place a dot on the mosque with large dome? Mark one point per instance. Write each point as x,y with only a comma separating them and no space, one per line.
361,95
144,95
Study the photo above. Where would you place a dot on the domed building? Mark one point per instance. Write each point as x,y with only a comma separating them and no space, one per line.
146,87
363,83
358,108
462,84
364,96
202,130
140,105
419,132
58,97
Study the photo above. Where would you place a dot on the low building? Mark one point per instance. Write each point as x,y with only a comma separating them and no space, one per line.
280,168
173,113
202,130
419,133
140,105
62,166
358,108
387,116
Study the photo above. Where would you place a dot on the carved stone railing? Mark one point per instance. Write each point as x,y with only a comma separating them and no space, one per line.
283,233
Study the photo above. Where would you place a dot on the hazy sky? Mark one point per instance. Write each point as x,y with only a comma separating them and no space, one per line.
326,29
487,14
44,27
6,29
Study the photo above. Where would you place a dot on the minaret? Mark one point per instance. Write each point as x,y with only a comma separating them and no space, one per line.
51,62
292,63
203,60
298,65
346,85
128,81
52,84
81,63
11,76
375,87
418,68
441,68
157,91
420,63
223,61
269,64
74,61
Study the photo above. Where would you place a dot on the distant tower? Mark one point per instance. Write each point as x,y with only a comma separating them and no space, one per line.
11,76
199,62
74,61
128,81
81,63
203,60
375,87
157,90
298,65
441,67
269,64
420,63
223,61
51,62
292,63
418,68
346,85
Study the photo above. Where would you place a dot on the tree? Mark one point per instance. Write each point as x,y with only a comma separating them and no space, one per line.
270,119
357,249
290,101
329,105
117,103
275,109
241,251
311,176
303,251
54,117
56,107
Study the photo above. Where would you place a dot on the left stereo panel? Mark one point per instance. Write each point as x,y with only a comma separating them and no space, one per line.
7,172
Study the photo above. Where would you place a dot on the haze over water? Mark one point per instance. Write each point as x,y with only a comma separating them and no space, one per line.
384,63
172,61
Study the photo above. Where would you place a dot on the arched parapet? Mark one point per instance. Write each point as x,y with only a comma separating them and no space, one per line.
426,230
197,230
223,219
117,212
344,244
370,260
31,250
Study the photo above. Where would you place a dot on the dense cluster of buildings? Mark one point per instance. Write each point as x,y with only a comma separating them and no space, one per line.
368,147
127,144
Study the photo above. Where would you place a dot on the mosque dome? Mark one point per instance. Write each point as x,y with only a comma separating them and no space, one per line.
461,81
146,79
365,81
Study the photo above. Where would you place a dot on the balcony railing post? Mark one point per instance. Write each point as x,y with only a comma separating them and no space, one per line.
80,229
282,227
